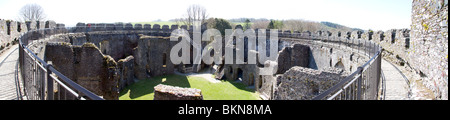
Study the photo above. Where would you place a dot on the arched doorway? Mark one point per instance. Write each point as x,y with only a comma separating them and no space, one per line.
240,74
260,82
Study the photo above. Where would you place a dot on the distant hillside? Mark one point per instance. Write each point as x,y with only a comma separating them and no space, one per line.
338,26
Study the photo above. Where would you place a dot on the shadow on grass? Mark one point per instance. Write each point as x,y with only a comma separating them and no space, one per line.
144,87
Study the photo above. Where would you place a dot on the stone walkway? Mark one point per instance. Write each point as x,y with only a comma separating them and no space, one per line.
8,61
396,85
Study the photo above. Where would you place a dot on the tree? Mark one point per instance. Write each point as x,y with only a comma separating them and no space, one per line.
31,12
271,25
220,24
274,24
193,13
247,24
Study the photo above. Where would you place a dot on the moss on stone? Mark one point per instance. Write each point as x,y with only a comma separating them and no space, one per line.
89,44
425,26
109,62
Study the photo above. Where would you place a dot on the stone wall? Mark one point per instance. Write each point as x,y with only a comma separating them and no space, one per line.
296,55
423,49
10,30
428,53
114,43
322,51
324,55
126,72
149,49
155,29
87,66
299,83
166,92
152,56
139,55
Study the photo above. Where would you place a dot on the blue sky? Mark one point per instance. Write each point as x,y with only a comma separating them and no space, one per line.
365,14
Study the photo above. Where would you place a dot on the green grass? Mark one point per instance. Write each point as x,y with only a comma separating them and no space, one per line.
225,90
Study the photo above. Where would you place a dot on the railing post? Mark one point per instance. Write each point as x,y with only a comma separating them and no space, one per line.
365,47
35,84
359,45
360,70
49,82
374,50
41,80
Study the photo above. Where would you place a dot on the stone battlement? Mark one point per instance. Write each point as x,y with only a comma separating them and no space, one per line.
11,30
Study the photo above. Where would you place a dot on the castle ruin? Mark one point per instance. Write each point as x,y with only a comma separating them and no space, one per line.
104,58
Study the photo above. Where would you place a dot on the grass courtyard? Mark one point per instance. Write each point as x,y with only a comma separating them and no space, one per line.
224,90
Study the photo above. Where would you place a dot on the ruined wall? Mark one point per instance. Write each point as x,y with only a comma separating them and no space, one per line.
85,65
149,46
166,92
149,49
323,51
9,32
323,56
155,30
248,73
116,44
429,44
133,47
296,55
152,56
299,83
126,72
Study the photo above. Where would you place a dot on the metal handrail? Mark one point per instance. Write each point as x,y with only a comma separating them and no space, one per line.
337,89
74,85
52,75
366,71
338,85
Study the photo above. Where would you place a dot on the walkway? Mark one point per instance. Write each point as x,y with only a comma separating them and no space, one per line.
396,85
8,61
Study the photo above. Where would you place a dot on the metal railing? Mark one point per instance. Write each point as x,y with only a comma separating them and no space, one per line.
364,83
361,84
41,81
